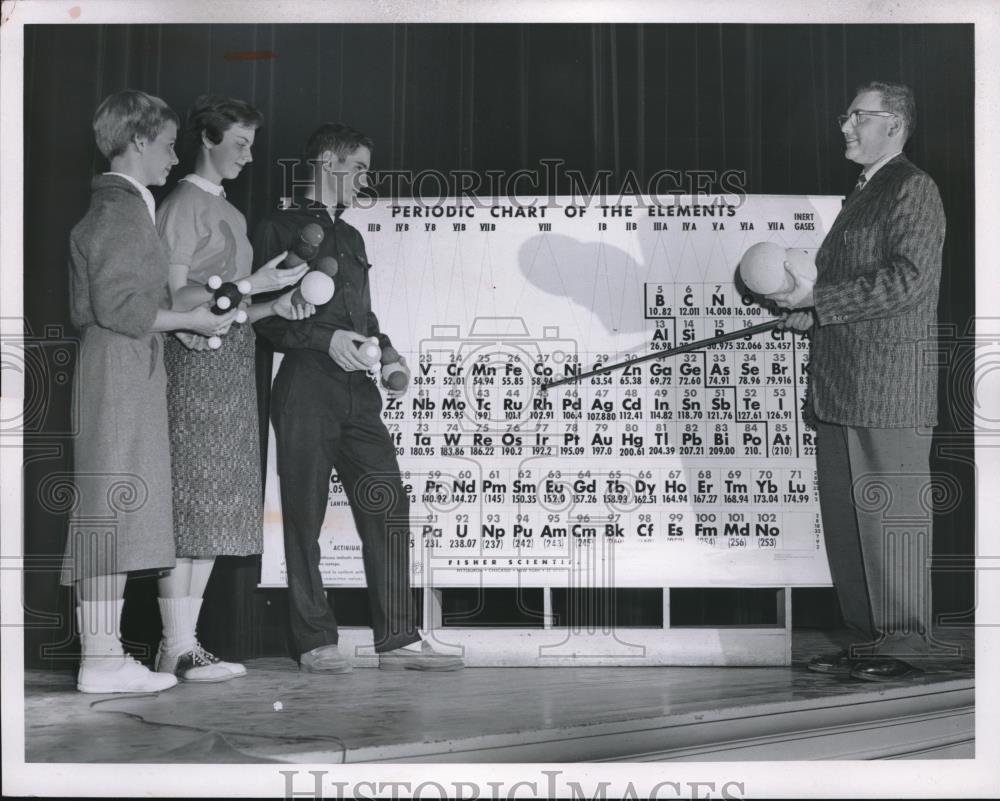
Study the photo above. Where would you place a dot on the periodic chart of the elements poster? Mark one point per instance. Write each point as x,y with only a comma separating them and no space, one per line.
694,470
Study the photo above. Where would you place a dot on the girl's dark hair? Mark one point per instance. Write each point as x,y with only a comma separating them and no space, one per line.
213,115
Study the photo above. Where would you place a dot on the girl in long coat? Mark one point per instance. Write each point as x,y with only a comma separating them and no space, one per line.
122,519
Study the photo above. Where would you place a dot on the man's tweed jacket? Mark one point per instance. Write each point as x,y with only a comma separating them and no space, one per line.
876,297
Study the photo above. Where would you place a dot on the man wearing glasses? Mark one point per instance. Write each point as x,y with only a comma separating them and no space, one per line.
871,393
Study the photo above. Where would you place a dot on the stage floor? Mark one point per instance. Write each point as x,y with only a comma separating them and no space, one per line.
277,714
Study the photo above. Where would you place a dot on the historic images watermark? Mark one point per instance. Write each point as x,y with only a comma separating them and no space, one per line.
550,184
547,784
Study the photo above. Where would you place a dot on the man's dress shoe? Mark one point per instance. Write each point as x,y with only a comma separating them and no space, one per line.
886,669
838,664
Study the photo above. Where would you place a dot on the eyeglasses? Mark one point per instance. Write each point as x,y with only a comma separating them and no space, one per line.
855,116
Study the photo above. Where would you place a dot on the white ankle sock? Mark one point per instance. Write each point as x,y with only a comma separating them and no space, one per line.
178,629
100,641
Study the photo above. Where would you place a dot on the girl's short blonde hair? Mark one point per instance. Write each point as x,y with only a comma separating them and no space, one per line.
127,114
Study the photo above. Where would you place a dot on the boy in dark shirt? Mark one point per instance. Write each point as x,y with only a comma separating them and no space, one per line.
326,412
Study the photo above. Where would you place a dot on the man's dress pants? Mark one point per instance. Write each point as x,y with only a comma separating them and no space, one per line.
876,502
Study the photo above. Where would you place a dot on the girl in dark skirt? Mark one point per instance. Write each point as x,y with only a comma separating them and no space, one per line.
211,394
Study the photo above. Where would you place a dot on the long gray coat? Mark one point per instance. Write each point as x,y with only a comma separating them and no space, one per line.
121,518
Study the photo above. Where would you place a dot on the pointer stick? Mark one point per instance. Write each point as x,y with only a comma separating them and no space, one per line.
701,343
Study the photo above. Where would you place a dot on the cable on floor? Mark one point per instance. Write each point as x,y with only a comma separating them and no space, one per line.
281,737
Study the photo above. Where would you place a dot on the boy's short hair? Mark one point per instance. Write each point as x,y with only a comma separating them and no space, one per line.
341,139
127,114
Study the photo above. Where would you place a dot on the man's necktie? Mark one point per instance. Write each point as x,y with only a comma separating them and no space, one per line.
862,180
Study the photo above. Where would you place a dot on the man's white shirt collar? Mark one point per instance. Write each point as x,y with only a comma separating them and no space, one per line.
878,165
147,196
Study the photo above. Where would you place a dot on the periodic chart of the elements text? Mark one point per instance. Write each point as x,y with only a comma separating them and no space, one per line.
694,470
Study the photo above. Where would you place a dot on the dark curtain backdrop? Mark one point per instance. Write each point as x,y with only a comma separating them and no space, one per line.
624,98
